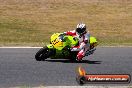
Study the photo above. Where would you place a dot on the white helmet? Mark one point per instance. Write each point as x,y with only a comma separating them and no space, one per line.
81,28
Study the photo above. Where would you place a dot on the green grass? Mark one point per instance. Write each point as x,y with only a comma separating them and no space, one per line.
31,22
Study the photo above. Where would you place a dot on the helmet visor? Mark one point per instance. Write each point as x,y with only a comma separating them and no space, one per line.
80,30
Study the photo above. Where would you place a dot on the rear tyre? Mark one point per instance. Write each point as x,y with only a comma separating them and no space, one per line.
42,54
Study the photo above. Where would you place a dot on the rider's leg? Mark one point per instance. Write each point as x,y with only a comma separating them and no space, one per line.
81,53
82,48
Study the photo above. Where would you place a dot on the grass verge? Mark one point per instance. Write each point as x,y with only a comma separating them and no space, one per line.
31,22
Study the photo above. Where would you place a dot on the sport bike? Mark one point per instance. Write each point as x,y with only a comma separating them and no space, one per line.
60,47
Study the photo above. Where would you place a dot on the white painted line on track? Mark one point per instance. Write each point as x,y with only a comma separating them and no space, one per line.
115,46
19,47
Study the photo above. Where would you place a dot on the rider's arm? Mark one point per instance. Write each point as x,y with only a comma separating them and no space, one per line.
86,43
87,38
78,48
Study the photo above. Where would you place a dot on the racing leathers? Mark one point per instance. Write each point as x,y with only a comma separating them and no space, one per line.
84,43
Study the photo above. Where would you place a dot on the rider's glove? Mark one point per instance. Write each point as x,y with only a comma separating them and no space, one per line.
75,49
64,33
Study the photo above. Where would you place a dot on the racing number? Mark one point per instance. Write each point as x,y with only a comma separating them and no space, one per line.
54,42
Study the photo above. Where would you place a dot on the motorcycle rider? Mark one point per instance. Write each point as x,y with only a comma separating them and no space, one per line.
84,40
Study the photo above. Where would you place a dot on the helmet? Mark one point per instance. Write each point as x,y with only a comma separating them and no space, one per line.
81,28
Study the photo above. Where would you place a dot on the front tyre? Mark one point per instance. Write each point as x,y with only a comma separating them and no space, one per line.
42,54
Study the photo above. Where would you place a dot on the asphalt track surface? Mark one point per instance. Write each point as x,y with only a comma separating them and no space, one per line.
19,68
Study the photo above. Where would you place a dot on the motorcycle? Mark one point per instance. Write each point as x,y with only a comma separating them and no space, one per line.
60,47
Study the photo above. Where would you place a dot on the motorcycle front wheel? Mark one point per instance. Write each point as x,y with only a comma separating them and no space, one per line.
42,54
